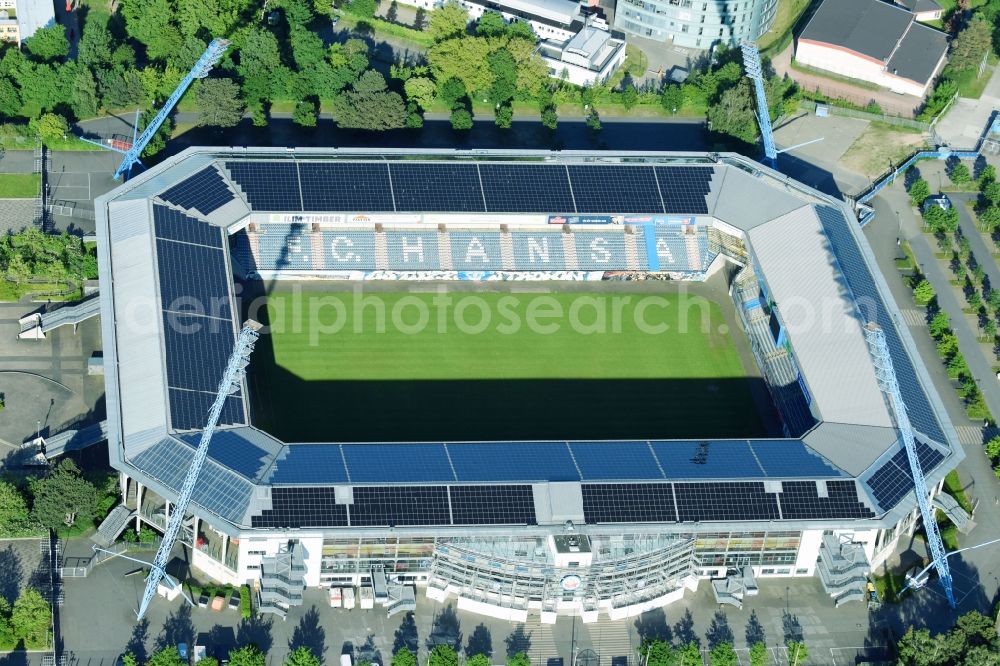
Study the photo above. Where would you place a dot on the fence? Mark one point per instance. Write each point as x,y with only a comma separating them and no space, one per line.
866,115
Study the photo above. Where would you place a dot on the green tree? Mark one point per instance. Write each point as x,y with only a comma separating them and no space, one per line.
490,24
369,110
474,660
362,8
370,81
248,655
923,292
162,135
970,45
593,120
260,65
49,127
442,655
657,653
918,648
405,657
797,652
919,191
420,89
85,102
987,175
304,113
166,657
522,30
504,116
219,103
96,42
629,97
723,654
63,498
31,618
14,516
451,92
960,174
465,59
48,43
734,115
993,448
10,98
461,119
990,217
151,23
209,17
672,98
941,220
991,192
549,117
940,324
519,659
759,655
689,655
303,656
947,346
448,21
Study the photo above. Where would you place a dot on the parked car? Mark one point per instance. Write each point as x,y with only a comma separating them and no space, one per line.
940,200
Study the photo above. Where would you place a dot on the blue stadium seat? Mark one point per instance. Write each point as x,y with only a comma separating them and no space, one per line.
348,250
601,250
671,248
476,250
538,250
413,250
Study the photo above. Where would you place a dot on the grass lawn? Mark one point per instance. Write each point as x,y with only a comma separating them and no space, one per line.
788,13
880,144
19,185
889,586
502,380
953,486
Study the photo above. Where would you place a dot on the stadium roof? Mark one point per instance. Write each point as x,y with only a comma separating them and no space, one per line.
883,31
169,319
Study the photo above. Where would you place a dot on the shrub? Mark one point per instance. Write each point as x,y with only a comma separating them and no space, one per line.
960,174
919,191
923,292
245,608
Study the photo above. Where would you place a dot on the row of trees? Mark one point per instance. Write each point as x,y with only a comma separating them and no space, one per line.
971,642
662,653
61,500
26,624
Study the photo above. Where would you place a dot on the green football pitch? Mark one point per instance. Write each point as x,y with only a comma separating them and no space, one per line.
477,366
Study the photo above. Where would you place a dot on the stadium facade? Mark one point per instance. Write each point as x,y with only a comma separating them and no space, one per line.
595,528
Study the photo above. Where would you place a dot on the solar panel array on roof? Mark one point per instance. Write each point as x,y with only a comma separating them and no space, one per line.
492,187
218,490
198,333
492,505
268,186
206,191
725,501
175,225
801,500
302,507
404,505
479,462
685,188
441,187
330,186
232,450
869,300
892,481
189,409
527,188
629,503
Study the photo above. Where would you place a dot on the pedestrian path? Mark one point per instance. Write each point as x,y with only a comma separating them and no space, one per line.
914,317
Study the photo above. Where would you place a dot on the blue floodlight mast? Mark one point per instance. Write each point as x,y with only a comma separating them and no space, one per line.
200,70
751,63
886,375
230,383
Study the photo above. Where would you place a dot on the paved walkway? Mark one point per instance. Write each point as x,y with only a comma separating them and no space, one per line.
892,103
962,125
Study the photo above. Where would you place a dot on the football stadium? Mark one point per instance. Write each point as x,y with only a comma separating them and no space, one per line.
530,383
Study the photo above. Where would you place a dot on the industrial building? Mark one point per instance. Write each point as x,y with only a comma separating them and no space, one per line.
510,528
